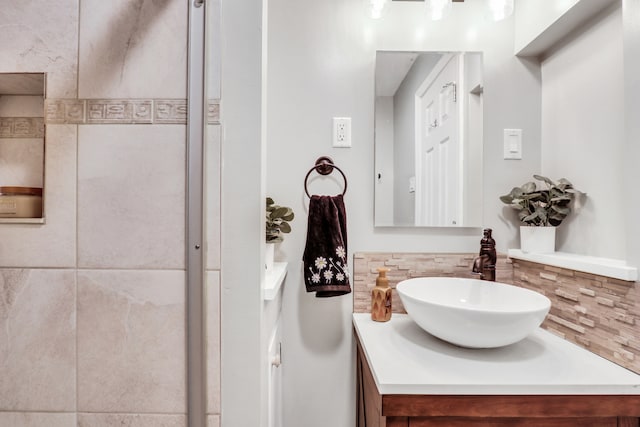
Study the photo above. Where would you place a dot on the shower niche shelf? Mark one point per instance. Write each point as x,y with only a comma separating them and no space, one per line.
22,147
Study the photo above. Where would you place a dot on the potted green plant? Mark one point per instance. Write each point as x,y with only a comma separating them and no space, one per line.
277,224
541,208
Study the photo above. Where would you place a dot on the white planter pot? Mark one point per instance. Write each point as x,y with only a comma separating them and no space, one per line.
540,240
268,256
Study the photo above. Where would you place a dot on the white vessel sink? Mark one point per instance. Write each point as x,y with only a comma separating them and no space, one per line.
473,313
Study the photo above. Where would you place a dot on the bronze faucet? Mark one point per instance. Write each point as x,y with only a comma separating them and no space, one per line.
485,263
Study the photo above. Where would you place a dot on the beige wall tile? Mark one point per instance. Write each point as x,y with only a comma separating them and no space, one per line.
213,342
37,340
131,335
212,184
131,196
21,162
131,420
37,419
213,49
22,105
133,49
43,37
54,243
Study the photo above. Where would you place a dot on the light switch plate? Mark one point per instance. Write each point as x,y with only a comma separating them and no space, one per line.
513,144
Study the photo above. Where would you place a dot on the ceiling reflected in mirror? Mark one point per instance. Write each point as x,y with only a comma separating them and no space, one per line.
438,10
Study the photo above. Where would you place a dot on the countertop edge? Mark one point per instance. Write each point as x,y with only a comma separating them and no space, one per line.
487,389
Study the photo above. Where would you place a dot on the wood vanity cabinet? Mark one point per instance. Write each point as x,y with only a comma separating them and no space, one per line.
375,410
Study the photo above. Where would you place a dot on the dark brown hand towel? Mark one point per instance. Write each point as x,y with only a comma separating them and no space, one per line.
325,253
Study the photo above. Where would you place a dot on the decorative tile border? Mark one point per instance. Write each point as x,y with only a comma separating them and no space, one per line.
598,313
124,111
213,112
21,127
408,265
118,111
170,111
64,111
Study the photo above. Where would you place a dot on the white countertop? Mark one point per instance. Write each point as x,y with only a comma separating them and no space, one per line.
404,359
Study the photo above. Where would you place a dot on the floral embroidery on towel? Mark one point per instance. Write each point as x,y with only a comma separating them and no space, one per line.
327,270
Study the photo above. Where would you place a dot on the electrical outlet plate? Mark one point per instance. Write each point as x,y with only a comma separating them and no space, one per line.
342,132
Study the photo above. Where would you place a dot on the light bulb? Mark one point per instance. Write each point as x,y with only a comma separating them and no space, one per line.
438,9
500,9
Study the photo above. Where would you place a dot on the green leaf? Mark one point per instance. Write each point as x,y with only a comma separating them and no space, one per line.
562,210
562,198
507,199
532,196
279,212
528,187
285,227
530,218
545,179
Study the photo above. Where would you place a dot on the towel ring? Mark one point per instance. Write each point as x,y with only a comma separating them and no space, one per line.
324,166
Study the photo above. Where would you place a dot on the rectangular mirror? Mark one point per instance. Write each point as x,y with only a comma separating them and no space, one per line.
428,139
22,139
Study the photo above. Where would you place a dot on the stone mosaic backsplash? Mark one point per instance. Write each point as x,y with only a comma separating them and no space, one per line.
124,111
408,265
598,313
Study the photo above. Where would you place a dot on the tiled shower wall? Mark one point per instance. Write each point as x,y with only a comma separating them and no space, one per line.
92,303
598,313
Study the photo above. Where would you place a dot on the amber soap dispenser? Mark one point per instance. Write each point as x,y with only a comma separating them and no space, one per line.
381,298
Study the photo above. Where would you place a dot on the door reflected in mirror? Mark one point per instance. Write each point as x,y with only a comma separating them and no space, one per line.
428,139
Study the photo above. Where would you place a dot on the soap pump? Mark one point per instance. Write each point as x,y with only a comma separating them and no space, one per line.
381,297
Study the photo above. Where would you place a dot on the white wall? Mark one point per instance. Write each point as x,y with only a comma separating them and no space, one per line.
472,168
631,25
321,65
532,20
583,132
243,376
